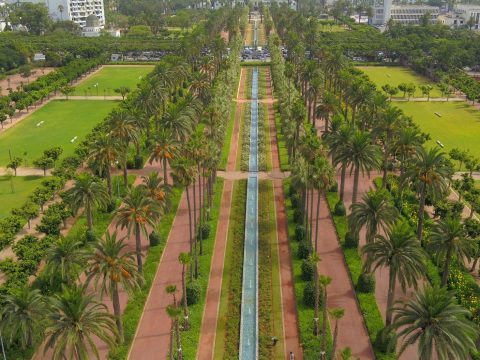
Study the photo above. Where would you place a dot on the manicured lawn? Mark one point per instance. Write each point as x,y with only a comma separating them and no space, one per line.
62,121
22,188
382,75
110,78
458,126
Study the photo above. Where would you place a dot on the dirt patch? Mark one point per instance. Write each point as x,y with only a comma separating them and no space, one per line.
16,80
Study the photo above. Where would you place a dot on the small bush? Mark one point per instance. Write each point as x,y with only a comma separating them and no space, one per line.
194,291
351,240
309,294
366,283
90,236
385,341
138,161
110,206
154,238
298,216
204,230
300,233
340,209
303,250
308,270
333,187
130,164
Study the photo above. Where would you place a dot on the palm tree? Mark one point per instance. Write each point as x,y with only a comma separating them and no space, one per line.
157,190
336,314
185,259
165,149
123,127
362,155
435,321
448,241
402,254
21,314
136,213
112,267
375,212
103,152
65,258
184,175
87,193
314,259
407,141
74,320
428,173
324,282
179,119
174,313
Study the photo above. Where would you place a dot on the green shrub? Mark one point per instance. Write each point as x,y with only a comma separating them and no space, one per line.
309,294
298,216
204,230
385,341
351,240
138,161
366,283
333,187
308,270
154,238
90,236
340,209
194,291
300,233
303,250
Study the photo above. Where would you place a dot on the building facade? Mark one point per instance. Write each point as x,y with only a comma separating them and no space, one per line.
410,14
462,15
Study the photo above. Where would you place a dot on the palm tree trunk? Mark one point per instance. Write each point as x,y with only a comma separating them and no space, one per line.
125,174
385,166
172,339
190,227
474,265
186,324
319,195
324,320
342,181
117,312
305,213
109,181
311,216
138,248
446,267
356,176
165,174
179,344
88,212
315,320
195,229
200,216
335,337
421,214
390,297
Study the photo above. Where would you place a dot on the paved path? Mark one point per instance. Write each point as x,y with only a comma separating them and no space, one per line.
291,333
25,171
424,99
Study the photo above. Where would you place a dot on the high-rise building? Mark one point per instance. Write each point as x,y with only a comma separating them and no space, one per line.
73,10
411,14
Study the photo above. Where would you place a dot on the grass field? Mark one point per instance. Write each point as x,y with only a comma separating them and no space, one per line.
63,120
382,75
458,126
22,188
110,78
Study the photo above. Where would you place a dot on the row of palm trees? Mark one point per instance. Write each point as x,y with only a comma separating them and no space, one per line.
364,133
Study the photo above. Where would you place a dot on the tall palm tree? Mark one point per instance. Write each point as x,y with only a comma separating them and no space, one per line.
165,149
328,106
428,173
336,314
103,152
448,241
136,213
179,119
375,212
20,315
174,313
185,259
184,175
435,321
123,127
112,267
74,320
324,282
362,155
65,258
407,141
402,254
87,192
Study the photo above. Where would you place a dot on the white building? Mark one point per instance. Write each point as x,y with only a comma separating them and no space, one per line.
462,16
410,14
73,10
